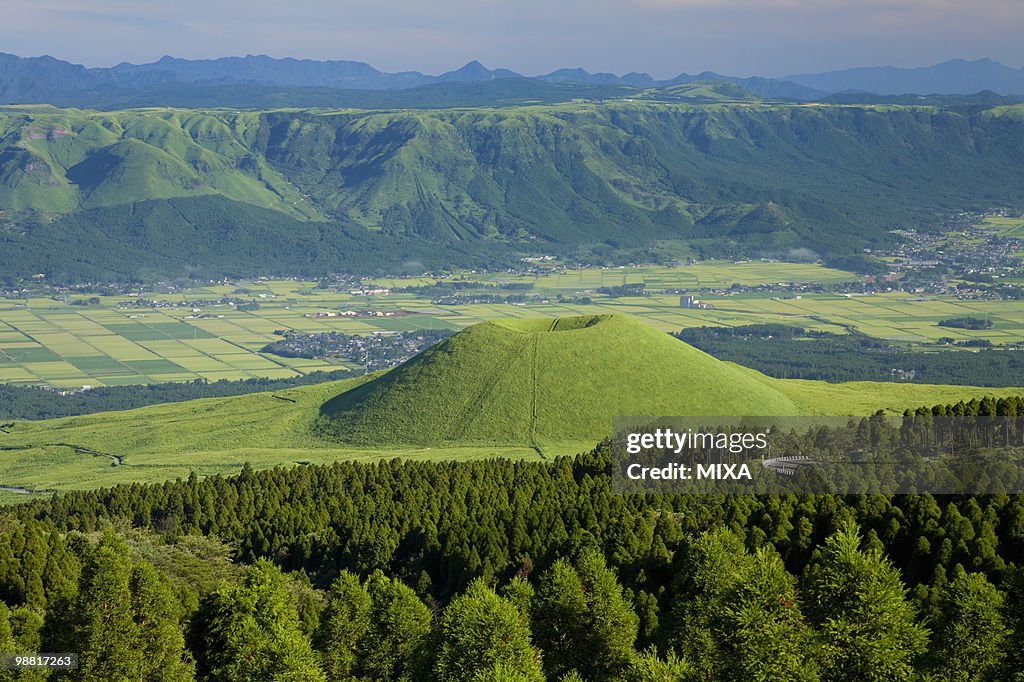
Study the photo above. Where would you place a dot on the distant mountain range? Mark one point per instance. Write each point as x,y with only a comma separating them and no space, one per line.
34,80
955,77
184,81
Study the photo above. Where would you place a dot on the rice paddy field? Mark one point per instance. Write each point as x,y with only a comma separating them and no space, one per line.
52,342
1006,225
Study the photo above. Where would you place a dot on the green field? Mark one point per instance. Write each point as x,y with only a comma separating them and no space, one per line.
46,341
1010,227
545,396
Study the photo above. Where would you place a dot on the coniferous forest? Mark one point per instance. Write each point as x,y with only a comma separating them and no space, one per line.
501,570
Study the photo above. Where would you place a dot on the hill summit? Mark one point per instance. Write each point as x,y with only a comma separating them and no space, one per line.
537,381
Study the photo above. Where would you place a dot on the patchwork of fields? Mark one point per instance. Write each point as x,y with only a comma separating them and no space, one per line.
1008,226
46,341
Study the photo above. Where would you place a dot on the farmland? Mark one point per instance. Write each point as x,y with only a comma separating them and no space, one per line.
122,341
1006,225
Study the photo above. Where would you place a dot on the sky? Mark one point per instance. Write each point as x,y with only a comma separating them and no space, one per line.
660,37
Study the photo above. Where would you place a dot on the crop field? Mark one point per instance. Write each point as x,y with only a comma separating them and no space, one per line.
701,275
117,342
1012,227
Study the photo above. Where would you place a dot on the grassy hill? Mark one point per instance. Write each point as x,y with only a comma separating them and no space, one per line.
523,382
496,389
455,184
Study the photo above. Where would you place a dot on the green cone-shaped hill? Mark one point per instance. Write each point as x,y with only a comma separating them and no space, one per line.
543,380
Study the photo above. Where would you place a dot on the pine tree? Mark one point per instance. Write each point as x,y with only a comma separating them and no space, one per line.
7,643
159,634
103,626
393,647
520,593
27,626
738,615
582,619
711,569
1013,612
649,667
344,622
761,629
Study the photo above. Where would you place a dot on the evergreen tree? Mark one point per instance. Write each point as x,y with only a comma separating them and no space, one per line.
7,643
159,633
251,632
393,646
481,631
649,667
27,626
711,568
344,622
583,620
761,629
858,603
103,628
520,593
971,635
739,615
1013,612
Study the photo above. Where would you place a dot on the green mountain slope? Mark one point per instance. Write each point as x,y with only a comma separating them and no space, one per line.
574,178
70,159
210,237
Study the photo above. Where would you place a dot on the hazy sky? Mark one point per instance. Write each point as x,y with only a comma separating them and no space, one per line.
662,37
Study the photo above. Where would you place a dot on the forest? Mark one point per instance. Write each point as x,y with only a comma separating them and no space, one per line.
501,570
788,352
966,323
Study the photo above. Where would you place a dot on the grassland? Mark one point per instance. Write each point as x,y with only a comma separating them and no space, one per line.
61,160
46,341
206,436
526,410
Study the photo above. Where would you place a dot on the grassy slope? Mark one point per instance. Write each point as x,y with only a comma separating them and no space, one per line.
538,381
215,435
218,435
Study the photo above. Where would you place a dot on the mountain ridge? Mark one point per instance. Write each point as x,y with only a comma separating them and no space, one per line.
25,80
580,180
952,77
